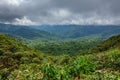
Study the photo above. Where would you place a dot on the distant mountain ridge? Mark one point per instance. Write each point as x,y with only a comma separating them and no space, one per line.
77,31
23,31
62,32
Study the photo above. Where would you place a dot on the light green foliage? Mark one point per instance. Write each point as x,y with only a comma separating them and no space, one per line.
82,66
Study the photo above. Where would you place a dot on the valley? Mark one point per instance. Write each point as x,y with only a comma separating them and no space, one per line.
59,39
59,52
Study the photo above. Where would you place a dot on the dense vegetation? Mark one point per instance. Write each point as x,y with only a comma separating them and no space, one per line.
81,31
24,32
110,43
60,32
64,47
73,52
18,62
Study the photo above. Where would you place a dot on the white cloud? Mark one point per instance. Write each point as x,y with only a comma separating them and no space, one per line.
11,2
14,2
77,19
23,21
62,13
63,16
90,21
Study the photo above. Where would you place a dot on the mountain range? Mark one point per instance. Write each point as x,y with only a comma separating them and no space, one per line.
18,61
60,31
79,31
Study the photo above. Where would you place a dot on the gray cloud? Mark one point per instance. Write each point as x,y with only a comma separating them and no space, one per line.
26,12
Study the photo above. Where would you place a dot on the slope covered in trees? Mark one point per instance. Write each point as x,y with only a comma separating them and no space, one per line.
10,45
72,47
60,32
111,43
17,61
24,31
81,31
12,54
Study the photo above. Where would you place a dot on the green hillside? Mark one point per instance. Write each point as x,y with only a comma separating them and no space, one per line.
24,32
111,43
60,32
72,47
81,31
10,45
19,62
13,53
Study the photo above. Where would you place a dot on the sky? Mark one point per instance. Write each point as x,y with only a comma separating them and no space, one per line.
40,12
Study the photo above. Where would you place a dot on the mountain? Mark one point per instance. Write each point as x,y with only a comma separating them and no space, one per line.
9,49
111,43
78,31
14,53
10,45
60,32
23,31
19,62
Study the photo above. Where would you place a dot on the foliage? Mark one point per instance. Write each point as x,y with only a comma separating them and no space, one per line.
23,31
64,47
80,31
112,42
19,62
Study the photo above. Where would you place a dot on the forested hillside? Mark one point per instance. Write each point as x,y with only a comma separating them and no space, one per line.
60,32
111,43
59,53
72,47
80,31
12,54
59,39
24,32
19,62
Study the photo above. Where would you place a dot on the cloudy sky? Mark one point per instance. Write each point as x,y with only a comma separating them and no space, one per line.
37,12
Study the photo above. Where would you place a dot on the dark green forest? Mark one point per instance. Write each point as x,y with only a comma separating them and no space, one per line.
17,61
71,48
37,53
